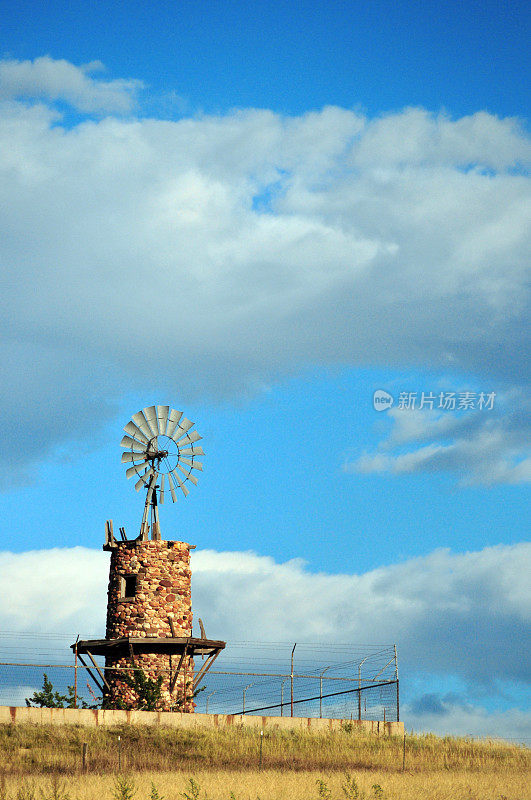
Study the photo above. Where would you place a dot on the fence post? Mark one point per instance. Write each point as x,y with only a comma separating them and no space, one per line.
282,697
291,676
397,702
261,746
85,748
397,693
359,686
321,690
244,690
119,754
75,673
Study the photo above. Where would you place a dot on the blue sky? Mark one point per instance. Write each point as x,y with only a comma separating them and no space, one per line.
262,215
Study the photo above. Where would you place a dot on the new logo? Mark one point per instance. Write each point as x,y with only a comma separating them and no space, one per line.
382,400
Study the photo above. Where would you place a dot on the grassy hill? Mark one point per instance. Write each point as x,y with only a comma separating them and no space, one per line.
294,765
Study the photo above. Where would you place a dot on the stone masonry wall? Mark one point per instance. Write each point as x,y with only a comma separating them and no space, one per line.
163,590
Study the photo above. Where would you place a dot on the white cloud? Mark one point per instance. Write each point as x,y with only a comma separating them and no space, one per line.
480,447
454,615
213,255
465,719
451,613
64,590
52,79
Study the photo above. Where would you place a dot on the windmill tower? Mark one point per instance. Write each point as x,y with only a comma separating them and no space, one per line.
149,608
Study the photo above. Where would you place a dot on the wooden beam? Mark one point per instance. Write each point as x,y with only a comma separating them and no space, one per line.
100,673
204,669
109,535
179,665
172,626
100,688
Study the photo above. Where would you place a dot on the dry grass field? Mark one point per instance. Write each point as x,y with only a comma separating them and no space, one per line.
45,763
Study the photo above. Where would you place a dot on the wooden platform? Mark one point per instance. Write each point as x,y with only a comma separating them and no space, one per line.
149,644
181,646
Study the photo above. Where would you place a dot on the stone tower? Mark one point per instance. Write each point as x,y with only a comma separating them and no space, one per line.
149,625
149,598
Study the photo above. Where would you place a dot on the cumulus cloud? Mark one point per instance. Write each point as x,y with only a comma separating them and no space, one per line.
454,613
64,590
52,79
215,254
481,447
442,714
458,614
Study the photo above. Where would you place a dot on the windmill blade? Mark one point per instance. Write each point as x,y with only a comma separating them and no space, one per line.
189,476
184,489
144,479
140,420
172,487
173,421
135,431
194,464
129,456
133,444
192,451
190,438
184,425
150,414
161,489
162,418
137,469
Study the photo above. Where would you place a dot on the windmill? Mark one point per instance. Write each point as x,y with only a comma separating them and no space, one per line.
160,444
149,606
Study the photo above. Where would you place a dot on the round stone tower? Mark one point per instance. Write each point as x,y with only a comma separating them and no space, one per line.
149,599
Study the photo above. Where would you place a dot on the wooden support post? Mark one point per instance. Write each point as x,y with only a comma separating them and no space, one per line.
100,688
204,669
179,665
109,534
100,673
185,675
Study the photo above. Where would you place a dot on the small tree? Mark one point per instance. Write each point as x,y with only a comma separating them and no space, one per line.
148,690
48,698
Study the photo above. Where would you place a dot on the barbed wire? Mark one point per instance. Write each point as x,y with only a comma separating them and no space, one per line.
249,675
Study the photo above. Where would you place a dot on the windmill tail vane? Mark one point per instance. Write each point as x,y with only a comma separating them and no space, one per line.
159,444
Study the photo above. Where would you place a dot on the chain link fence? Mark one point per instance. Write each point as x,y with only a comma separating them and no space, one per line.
334,681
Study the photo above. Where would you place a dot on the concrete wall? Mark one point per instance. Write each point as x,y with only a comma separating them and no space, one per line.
73,716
